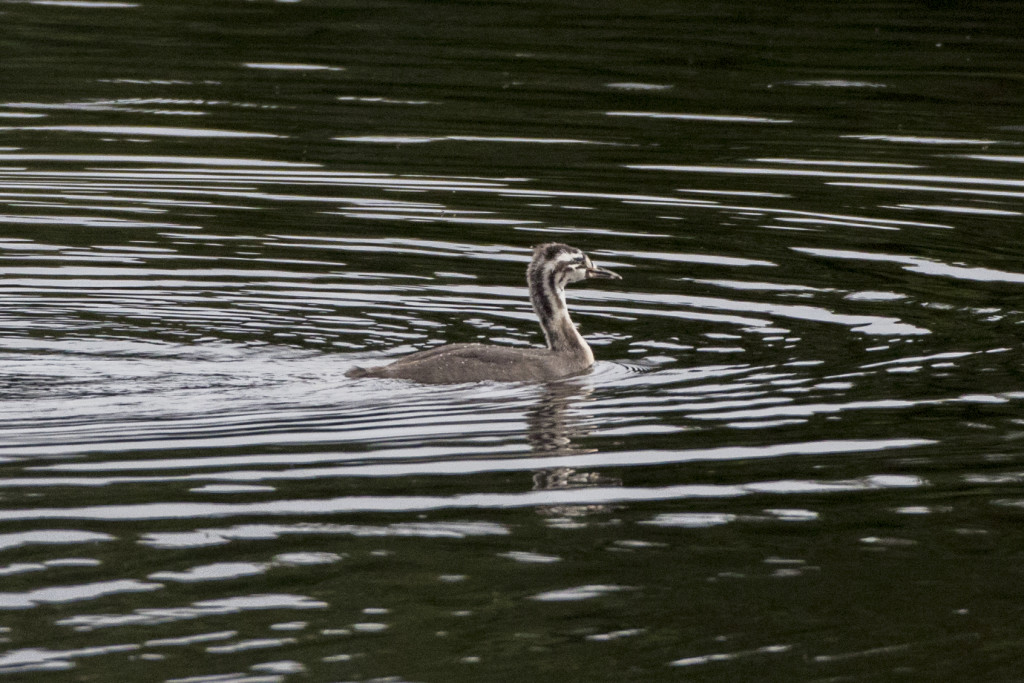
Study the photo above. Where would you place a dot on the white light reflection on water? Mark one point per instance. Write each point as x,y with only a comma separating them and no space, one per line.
445,464
554,497
275,66
578,593
920,265
222,571
720,118
165,131
154,159
401,139
921,140
62,594
42,659
59,537
762,171
701,660
197,610
970,210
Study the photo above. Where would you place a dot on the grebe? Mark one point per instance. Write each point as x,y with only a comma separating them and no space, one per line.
552,268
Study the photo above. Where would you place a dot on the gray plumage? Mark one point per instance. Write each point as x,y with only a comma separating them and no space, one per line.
553,267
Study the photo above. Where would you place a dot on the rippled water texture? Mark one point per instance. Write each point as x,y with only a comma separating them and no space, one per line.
798,456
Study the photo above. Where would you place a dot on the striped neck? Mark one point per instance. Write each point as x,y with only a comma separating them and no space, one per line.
547,279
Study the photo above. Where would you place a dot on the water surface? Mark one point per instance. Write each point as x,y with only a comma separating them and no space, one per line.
798,456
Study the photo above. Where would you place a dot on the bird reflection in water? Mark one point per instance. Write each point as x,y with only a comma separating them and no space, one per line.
552,425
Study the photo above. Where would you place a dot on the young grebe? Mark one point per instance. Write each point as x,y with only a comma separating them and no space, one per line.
552,268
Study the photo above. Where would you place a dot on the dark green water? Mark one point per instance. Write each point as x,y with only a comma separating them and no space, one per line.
799,456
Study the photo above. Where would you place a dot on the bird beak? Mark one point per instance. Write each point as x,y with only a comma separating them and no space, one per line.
596,273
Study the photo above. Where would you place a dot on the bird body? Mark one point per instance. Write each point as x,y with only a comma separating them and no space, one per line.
567,353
